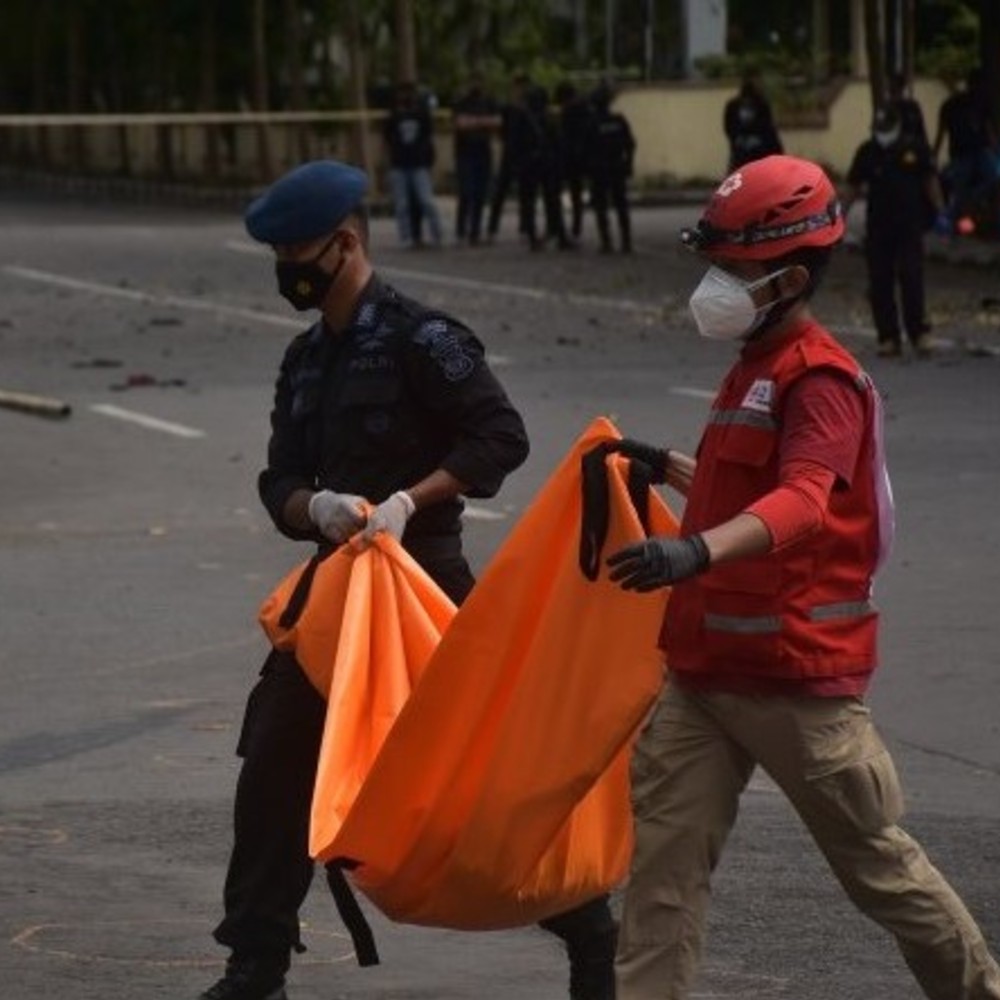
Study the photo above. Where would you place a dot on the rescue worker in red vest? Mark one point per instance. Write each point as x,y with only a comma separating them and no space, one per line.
770,632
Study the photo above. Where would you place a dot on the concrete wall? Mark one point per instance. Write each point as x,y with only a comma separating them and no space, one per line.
678,128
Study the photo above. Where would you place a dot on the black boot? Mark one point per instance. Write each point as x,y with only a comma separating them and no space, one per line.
249,979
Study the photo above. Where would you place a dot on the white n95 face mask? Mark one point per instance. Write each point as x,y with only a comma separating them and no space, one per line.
723,305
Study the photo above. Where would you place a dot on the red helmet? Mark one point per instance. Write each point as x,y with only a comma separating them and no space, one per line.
768,208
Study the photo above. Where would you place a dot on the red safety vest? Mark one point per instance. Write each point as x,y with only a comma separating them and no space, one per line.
804,612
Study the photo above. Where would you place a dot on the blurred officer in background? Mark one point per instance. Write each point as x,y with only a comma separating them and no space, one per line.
408,131
475,119
381,400
895,173
507,171
770,631
536,153
749,124
966,120
576,116
609,162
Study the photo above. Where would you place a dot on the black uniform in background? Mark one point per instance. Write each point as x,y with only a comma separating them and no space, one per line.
536,154
749,126
896,178
473,115
575,124
967,119
609,163
508,167
401,392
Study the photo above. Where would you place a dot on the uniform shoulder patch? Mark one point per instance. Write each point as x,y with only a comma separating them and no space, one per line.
455,357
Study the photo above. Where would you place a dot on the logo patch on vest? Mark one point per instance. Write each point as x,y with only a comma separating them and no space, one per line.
760,396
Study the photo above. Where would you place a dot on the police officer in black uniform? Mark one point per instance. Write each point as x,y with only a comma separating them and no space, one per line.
475,118
575,125
510,125
611,152
894,169
383,400
749,124
535,141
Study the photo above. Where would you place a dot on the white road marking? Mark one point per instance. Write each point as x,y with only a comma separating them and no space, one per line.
144,420
681,390
179,302
151,298
498,288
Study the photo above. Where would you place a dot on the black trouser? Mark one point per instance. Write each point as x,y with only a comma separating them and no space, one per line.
270,869
538,177
575,181
896,255
608,187
472,173
501,188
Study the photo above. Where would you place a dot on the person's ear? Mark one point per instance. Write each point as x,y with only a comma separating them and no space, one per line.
793,281
348,241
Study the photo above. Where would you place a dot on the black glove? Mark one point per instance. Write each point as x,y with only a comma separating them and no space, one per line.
659,562
656,458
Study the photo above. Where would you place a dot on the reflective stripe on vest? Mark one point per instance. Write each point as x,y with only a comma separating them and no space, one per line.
758,625
845,609
766,624
748,418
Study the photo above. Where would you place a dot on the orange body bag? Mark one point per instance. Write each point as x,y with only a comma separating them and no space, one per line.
494,792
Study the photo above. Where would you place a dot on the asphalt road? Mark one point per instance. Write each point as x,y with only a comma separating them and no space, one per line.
134,554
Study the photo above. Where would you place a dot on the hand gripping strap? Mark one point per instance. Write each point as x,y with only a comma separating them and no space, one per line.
596,507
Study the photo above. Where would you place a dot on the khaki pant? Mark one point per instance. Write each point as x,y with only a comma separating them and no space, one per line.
691,763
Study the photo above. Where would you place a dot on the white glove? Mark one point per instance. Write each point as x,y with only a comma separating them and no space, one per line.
391,516
337,515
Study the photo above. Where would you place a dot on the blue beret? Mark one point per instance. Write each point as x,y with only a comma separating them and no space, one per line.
306,203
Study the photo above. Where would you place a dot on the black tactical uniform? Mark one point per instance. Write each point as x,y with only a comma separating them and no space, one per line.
575,124
612,149
403,391
535,144
510,115
896,178
473,159
749,126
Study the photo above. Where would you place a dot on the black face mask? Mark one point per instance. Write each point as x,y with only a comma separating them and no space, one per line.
303,282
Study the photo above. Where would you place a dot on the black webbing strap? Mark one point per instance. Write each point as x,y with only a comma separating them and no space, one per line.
297,602
597,506
343,896
640,479
351,913
596,509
